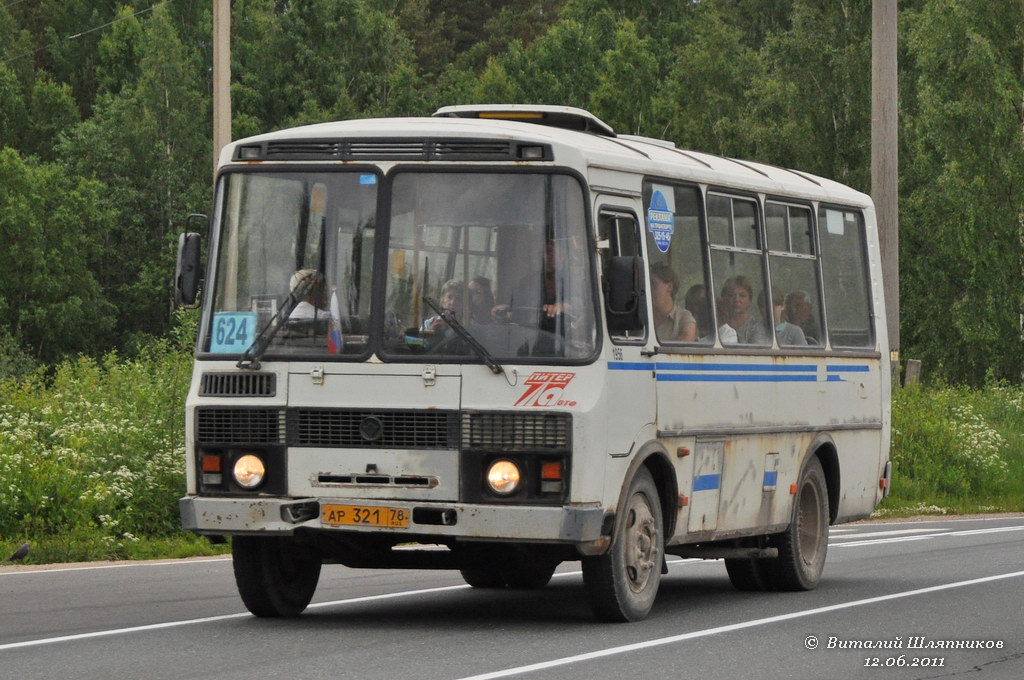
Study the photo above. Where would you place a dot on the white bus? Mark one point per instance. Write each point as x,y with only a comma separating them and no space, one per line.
504,337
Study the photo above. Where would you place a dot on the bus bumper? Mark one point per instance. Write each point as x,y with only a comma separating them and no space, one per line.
577,523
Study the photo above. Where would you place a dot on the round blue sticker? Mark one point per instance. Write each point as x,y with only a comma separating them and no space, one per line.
660,221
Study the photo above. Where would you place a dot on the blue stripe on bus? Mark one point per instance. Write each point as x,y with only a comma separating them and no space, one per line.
630,365
801,368
706,482
771,478
725,377
696,372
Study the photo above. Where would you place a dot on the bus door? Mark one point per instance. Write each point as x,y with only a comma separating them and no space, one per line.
630,395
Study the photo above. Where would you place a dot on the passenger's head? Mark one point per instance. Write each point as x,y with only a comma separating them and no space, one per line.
736,296
663,287
798,307
316,292
481,298
452,295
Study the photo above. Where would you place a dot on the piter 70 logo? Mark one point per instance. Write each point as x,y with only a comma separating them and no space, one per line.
545,388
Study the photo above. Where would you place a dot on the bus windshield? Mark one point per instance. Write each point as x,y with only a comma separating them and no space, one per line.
294,259
502,254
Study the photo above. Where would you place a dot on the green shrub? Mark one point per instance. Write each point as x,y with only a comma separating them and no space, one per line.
95,448
958,447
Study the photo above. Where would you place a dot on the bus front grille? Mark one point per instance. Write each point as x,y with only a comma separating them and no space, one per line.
238,385
385,429
350,428
516,431
240,425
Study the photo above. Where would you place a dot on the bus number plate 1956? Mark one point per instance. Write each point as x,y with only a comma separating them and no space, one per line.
365,516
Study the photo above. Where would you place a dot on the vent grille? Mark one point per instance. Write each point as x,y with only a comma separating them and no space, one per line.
396,149
238,385
516,431
373,429
367,429
240,426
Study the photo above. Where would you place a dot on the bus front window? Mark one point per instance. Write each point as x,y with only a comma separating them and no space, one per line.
504,254
293,263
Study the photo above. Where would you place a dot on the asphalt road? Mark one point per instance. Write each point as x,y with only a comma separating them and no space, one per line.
941,598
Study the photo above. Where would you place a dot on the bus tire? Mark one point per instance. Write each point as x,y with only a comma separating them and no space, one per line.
482,577
750,574
510,568
802,547
529,575
276,576
623,583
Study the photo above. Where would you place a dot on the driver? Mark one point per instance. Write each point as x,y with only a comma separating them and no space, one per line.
548,300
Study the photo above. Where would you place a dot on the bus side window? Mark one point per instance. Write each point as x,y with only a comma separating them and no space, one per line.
795,299
845,277
744,312
675,247
620,260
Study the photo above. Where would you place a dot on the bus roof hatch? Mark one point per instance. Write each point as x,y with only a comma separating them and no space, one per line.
566,117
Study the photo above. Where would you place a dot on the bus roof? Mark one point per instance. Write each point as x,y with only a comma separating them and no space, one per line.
577,139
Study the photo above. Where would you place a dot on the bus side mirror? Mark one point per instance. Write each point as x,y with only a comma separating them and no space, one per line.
187,271
624,293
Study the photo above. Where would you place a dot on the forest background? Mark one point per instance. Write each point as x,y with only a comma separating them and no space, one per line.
105,147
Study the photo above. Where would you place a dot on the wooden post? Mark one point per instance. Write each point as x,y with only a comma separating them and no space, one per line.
913,372
885,158
221,77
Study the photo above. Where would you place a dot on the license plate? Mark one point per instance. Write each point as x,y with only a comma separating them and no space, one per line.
365,516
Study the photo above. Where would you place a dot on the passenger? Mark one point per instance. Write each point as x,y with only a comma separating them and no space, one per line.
789,334
800,312
481,300
311,306
451,306
737,293
696,302
671,322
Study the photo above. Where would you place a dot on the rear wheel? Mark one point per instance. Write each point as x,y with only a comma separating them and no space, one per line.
802,547
276,575
508,567
623,583
750,573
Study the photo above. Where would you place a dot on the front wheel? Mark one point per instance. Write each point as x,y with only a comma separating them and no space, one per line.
276,575
623,583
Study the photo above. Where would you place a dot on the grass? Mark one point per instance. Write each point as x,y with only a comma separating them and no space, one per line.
91,455
957,450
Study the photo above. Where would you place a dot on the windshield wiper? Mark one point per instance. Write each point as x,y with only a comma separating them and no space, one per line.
251,356
463,333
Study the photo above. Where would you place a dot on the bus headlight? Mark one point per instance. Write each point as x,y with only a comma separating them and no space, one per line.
503,476
249,471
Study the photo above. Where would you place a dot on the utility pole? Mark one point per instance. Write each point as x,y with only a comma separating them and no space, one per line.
885,160
221,77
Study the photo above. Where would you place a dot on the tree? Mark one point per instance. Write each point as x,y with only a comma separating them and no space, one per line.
961,221
49,224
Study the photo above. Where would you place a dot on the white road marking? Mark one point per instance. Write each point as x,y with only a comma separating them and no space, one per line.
873,534
225,617
625,649
57,569
898,539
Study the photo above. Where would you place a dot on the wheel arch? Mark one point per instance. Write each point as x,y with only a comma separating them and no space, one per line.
824,448
655,458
